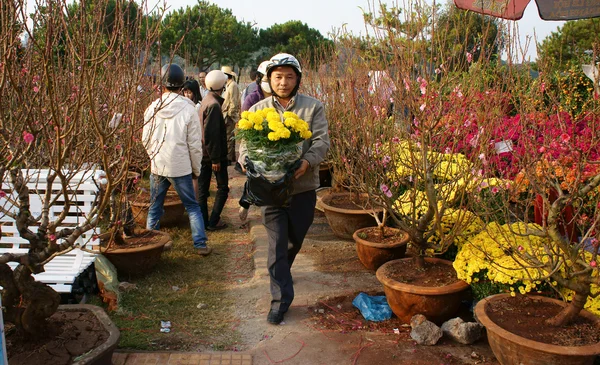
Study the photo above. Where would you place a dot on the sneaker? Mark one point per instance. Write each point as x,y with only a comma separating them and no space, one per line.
243,214
204,251
275,316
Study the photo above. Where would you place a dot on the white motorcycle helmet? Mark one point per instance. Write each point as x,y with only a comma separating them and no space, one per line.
285,59
215,80
262,68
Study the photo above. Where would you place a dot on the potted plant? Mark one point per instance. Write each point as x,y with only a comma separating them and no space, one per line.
377,245
398,119
64,83
557,164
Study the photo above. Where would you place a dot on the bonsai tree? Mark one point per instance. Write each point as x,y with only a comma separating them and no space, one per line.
74,88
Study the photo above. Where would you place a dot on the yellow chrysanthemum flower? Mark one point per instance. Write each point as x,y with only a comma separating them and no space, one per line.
245,124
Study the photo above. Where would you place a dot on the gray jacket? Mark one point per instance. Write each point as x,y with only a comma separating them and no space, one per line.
314,150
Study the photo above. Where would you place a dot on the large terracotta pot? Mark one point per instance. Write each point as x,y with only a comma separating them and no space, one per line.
373,254
438,304
139,260
344,222
511,349
174,210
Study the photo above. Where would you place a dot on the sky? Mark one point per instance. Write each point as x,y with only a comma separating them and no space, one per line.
325,15
328,15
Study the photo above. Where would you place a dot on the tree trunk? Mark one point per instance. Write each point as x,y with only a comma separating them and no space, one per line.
419,261
565,316
26,303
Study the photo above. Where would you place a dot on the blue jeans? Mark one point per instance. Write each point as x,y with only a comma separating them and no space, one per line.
185,189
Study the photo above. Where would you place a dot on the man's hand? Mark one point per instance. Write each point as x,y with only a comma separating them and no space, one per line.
216,167
302,169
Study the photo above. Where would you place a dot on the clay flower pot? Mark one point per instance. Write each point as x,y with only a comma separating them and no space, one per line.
438,304
136,261
374,254
346,219
174,210
511,349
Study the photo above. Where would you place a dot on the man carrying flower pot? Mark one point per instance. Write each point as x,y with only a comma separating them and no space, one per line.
287,226
173,140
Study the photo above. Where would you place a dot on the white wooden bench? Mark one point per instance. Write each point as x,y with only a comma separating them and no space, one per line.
61,272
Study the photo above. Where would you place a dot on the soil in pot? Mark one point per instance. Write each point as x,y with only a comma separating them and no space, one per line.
432,275
375,249
524,316
69,334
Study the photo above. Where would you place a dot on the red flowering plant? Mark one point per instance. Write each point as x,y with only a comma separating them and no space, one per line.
71,113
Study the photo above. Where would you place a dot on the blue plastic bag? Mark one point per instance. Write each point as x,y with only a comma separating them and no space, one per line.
373,308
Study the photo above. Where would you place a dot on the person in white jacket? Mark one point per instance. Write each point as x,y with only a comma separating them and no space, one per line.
172,137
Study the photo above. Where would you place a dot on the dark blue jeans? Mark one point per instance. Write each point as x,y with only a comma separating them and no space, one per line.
185,189
286,229
222,177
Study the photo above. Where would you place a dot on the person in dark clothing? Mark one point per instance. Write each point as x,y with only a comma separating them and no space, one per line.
214,156
254,89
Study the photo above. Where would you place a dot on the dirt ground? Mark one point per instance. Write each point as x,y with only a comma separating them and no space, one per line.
322,326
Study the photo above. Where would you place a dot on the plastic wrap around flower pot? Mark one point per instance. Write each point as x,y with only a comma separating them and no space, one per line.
261,191
273,164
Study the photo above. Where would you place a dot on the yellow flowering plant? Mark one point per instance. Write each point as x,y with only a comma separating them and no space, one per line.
514,258
273,140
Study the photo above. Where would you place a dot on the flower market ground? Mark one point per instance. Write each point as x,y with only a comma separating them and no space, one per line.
217,306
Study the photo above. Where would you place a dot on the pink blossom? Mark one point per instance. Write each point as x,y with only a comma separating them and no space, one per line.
36,89
28,137
52,237
386,160
386,190
458,92
593,264
422,107
543,87
469,57
565,138
520,248
406,84
423,86
495,190
542,149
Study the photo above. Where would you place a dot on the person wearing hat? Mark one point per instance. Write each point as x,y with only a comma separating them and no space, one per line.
172,138
231,110
287,226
